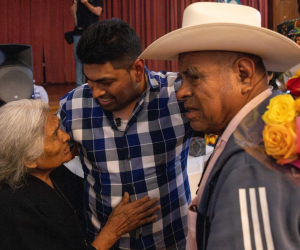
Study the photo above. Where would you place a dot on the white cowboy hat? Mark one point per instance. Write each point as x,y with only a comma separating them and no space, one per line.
226,27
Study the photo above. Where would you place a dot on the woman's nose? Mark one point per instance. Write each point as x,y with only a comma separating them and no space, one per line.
65,136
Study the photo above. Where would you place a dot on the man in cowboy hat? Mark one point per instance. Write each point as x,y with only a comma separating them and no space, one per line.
223,55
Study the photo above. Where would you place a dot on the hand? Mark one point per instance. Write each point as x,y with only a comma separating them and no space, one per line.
74,8
124,218
128,216
84,1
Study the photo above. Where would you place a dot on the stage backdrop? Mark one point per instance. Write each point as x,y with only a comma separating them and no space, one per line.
42,23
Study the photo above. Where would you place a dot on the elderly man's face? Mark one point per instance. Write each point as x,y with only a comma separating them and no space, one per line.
209,90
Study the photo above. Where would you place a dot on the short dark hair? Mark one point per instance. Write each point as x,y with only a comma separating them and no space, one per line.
111,40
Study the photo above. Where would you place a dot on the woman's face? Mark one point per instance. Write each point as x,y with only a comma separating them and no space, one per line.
56,148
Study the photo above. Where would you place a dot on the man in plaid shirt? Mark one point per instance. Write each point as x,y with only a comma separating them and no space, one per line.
132,134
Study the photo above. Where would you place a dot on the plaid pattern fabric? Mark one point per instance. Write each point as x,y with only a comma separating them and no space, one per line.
148,158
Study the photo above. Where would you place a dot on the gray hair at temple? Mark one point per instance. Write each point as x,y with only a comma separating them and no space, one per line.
22,132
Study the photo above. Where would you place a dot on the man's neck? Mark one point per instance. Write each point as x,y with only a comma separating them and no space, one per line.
125,113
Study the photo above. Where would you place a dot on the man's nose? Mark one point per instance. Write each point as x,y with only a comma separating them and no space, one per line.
97,90
184,92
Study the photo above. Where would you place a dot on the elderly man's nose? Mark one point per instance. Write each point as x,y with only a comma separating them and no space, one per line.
183,93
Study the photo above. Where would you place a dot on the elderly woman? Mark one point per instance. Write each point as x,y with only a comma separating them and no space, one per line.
38,210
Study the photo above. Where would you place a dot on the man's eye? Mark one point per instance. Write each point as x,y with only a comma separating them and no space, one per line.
194,78
107,83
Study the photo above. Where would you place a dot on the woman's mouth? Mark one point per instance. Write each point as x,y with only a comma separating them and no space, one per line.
67,150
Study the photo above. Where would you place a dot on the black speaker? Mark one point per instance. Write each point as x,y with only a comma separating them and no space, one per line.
16,72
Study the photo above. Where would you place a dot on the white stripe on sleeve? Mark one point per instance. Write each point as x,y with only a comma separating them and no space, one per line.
255,220
265,215
244,219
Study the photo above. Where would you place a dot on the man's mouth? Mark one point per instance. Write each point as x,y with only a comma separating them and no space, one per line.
190,109
104,100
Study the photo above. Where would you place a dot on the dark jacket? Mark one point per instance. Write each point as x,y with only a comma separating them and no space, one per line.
36,217
247,204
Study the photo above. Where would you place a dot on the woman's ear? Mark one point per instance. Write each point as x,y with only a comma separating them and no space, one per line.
246,70
31,164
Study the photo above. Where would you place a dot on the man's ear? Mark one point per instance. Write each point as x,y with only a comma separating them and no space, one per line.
246,70
139,69
31,164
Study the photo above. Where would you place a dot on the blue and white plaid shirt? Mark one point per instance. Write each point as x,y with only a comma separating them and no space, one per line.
148,158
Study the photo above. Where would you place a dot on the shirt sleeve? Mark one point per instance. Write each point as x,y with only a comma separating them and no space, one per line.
254,207
62,113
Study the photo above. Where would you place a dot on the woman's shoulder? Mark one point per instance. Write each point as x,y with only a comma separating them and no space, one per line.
70,185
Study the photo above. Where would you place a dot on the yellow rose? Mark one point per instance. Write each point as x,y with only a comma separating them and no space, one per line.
280,142
281,110
297,105
297,73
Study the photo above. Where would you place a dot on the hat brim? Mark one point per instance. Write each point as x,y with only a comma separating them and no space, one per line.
278,52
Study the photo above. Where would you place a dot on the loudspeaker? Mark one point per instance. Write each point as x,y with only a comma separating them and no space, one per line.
16,72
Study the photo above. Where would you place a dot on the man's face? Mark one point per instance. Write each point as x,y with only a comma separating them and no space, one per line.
115,89
298,40
209,90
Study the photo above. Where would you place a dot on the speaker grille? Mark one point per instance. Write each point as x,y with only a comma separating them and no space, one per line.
16,83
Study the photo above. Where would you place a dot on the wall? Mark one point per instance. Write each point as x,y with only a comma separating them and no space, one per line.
42,23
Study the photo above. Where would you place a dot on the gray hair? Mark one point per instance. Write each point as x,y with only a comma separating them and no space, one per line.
22,132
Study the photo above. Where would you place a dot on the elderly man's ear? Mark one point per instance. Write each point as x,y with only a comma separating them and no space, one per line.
31,164
246,70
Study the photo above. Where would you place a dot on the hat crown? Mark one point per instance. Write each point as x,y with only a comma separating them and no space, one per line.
207,13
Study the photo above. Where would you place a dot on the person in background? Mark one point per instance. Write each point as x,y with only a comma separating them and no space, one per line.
39,92
246,199
132,133
39,199
86,12
291,29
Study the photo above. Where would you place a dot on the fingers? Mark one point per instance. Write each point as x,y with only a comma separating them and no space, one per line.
147,220
128,216
147,204
141,201
125,199
150,211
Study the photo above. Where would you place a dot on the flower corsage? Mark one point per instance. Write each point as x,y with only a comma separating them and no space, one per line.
281,134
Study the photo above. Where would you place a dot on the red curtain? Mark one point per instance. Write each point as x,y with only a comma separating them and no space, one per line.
42,23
